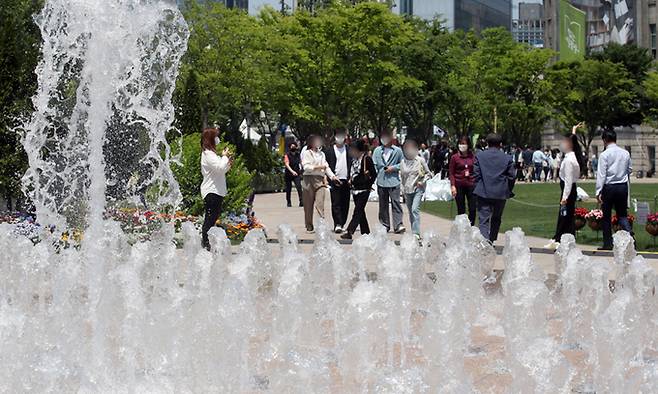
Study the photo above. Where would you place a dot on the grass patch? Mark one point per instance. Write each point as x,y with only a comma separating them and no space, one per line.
539,218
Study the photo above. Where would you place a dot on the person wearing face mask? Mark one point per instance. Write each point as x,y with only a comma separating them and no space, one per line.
569,174
314,184
339,162
362,177
462,182
387,158
213,186
293,163
414,172
425,153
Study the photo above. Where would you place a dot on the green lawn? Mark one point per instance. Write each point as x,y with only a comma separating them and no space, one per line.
540,220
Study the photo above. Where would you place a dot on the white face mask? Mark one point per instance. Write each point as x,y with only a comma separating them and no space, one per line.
217,141
385,140
340,139
411,153
463,148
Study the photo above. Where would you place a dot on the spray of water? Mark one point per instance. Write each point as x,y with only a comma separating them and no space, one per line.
375,317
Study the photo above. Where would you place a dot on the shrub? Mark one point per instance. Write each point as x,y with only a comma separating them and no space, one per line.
188,175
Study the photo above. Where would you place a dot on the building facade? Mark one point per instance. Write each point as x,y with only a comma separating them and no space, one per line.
529,27
460,14
640,141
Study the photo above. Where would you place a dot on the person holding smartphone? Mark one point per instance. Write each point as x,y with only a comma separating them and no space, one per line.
213,186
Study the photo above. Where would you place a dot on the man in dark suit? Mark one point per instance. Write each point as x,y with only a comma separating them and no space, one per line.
340,163
494,179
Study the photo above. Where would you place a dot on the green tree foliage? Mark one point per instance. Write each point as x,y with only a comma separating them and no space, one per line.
591,91
637,62
650,86
19,54
188,175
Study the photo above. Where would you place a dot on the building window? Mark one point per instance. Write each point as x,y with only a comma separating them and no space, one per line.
652,28
407,7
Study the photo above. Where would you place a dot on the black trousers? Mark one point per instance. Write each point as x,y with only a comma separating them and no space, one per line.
614,196
297,180
567,224
340,202
359,217
466,193
212,210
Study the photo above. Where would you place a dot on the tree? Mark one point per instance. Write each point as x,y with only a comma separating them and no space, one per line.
19,55
510,77
651,91
637,61
591,91
428,60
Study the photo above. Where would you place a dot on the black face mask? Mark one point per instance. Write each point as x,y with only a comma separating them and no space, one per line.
293,150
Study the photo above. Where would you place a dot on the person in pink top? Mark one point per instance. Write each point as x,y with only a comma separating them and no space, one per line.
462,183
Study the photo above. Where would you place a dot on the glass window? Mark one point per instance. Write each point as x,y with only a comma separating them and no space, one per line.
407,7
652,29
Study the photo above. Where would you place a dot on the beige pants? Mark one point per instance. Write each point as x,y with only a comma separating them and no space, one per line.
314,190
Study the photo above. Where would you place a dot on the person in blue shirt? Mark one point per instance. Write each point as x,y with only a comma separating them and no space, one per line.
387,158
613,170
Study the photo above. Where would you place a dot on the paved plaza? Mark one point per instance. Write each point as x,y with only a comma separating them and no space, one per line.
271,210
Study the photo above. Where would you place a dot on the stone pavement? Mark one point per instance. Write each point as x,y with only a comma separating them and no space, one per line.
271,210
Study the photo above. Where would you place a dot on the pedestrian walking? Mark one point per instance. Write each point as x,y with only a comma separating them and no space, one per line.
569,174
387,158
612,179
362,176
339,162
538,164
424,153
314,181
594,164
527,164
213,185
414,172
494,179
293,173
462,181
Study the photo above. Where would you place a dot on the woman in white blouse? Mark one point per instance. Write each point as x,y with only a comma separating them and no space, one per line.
569,174
213,186
314,183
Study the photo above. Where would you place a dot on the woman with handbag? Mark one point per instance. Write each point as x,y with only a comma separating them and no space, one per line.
362,176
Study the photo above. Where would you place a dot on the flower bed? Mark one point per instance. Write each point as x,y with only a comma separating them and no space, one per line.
139,225
652,224
580,217
594,219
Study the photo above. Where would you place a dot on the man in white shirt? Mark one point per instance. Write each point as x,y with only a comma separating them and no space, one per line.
339,162
612,179
538,159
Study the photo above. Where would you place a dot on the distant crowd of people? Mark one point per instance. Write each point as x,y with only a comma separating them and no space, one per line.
482,179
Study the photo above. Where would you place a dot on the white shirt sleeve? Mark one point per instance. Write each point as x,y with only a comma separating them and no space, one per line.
601,174
327,170
307,161
570,169
217,163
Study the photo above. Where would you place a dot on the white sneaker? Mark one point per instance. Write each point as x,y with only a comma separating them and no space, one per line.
338,229
553,244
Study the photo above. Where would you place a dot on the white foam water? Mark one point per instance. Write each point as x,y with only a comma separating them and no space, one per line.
113,316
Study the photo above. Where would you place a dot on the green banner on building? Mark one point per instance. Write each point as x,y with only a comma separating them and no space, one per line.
572,32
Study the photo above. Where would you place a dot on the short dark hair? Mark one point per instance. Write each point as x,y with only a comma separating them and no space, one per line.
609,136
359,145
494,139
410,141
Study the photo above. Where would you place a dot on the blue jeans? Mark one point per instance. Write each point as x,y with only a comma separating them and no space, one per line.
538,170
413,201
